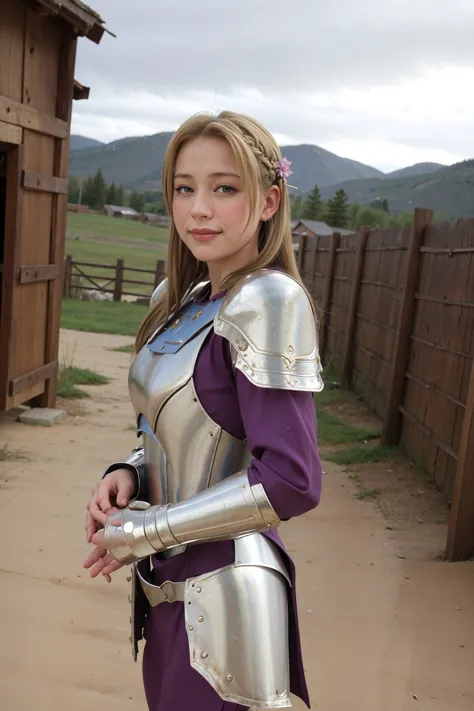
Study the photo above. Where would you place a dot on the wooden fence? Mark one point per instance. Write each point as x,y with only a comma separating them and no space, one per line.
397,321
117,280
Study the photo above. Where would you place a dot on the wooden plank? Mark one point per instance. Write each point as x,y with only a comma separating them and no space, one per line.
39,272
13,223
460,541
58,231
13,112
391,426
348,352
301,253
327,292
28,380
118,287
44,183
10,134
12,38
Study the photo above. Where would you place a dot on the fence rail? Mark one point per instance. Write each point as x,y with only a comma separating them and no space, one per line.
397,321
76,279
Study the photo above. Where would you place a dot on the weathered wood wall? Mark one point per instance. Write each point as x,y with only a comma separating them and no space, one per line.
397,322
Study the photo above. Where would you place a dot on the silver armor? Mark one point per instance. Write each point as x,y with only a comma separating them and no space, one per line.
197,489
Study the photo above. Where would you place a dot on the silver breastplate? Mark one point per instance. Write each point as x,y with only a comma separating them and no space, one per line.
185,450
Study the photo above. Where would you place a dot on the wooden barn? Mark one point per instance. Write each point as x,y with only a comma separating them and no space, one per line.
38,41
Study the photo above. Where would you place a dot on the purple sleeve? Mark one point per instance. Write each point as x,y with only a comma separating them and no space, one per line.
280,426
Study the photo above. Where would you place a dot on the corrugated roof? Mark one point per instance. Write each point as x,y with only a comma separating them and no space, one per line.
321,228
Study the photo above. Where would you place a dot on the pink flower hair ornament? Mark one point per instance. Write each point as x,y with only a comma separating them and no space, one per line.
283,171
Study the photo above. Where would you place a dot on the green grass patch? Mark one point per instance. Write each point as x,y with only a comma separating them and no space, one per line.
332,431
70,377
361,454
367,494
122,349
102,316
113,228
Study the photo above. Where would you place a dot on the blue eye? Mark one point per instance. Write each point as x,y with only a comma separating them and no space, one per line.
227,189
183,189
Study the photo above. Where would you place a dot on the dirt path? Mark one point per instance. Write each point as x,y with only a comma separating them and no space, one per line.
380,632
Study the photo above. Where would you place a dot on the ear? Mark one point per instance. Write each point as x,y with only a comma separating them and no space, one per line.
271,204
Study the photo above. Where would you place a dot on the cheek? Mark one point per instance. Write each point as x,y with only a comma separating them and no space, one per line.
235,212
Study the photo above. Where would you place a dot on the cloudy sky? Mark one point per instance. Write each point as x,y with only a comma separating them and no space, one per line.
387,83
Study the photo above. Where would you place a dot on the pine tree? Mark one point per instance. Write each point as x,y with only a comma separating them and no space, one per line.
312,208
120,195
99,189
137,201
111,195
88,192
337,209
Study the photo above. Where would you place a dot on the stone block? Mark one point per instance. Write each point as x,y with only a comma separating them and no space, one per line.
42,416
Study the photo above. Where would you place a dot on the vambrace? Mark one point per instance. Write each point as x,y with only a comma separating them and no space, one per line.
136,464
226,510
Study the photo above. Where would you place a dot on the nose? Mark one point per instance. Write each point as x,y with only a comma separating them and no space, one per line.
201,207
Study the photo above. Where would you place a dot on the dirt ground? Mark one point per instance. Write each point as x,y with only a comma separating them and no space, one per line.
386,624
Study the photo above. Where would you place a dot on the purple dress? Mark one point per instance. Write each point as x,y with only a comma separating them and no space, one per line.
280,428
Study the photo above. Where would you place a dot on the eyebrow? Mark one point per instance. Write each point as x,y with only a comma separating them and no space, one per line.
187,176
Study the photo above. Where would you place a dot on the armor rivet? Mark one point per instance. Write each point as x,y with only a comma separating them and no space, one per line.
246,366
129,577
291,349
204,655
198,590
211,434
130,598
201,618
229,677
243,345
190,627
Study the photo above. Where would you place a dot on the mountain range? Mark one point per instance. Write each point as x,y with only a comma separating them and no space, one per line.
136,163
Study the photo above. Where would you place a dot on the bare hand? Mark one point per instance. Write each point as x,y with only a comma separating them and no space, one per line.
100,560
114,491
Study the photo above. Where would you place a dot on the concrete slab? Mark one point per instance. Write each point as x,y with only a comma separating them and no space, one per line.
42,416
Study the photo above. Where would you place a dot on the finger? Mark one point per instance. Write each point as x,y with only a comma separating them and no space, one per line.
98,539
97,513
95,556
91,527
103,495
125,490
107,577
97,568
112,566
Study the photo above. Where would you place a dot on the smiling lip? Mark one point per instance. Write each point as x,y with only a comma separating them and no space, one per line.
204,234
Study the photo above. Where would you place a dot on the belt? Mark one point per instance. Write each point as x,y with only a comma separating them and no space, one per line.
156,594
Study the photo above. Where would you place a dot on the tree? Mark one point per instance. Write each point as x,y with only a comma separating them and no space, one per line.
313,207
111,196
73,189
99,190
137,201
296,206
337,209
88,192
120,195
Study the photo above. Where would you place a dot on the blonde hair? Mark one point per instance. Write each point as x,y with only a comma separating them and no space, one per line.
257,155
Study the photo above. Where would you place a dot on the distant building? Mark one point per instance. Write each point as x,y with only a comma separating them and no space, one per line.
314,228
151,218
121,211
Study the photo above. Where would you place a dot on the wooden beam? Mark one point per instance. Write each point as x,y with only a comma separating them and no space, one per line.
23,382
11,255
39,272
391,426
44,183
10,133
18,114
327,292
350,331
460,542
301,253
59,217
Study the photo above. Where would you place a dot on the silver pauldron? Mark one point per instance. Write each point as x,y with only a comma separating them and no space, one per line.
228,509
268,319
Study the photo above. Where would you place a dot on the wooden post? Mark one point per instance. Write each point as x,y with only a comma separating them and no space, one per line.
350,331
159,273
391,426
460,542
67,277
301,253
327,292
118,286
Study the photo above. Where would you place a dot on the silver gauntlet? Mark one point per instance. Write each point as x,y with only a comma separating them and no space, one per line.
228,509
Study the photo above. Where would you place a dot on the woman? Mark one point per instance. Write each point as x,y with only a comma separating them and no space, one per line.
226,363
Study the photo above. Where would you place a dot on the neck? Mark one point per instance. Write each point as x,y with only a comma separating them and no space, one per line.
221,269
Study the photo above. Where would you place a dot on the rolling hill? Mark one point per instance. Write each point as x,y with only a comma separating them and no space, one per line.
136,163
417,169
449,191
80,143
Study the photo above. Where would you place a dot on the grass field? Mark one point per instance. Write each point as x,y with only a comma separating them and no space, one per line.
99,239
102,316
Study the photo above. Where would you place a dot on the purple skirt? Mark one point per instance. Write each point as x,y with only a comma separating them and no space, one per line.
171,684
